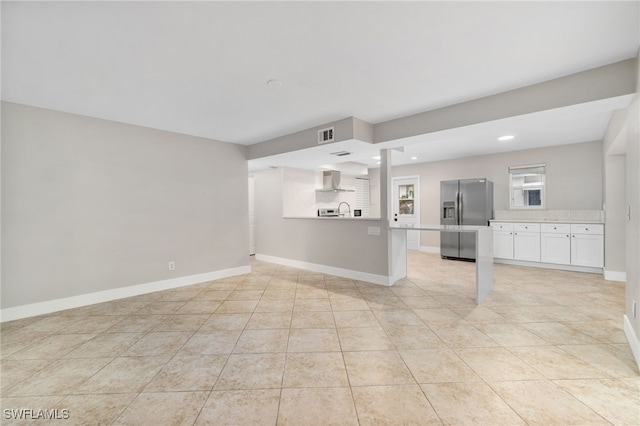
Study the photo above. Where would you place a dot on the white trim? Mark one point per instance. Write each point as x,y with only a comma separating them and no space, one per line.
416,204
330,270
427,249
40,308
634,343
615,276
549,266
531,166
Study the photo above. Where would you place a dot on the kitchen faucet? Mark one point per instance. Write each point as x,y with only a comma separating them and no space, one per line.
348,206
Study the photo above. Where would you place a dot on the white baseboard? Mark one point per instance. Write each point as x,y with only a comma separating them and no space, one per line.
549,266
40,308
633,340
330,270
615,276
428,249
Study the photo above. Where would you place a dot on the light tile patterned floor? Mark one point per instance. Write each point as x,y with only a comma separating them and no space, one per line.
291,347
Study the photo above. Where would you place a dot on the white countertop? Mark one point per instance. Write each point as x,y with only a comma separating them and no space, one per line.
332,217
442,228
547,221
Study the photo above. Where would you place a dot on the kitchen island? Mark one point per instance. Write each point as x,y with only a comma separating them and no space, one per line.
484,252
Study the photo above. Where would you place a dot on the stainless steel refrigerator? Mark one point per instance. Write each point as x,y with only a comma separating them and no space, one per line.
464,202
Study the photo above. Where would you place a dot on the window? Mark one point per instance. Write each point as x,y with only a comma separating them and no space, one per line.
405,195
527,187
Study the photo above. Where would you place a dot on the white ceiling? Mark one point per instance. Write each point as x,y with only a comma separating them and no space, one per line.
201,68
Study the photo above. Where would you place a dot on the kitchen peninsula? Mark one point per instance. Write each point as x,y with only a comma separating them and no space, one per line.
484,252
360,248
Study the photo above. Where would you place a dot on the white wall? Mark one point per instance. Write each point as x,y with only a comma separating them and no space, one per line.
91,205
299,192
574,179
333,199
374,192
300,198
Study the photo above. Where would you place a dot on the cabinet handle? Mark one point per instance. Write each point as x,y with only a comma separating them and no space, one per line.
573,236
586,229
554,228
567,236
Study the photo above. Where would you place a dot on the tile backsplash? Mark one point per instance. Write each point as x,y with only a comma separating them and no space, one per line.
554,215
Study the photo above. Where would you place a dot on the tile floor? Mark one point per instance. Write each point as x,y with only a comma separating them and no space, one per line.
291,347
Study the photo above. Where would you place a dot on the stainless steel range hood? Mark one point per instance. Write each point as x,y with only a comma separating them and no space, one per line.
331,182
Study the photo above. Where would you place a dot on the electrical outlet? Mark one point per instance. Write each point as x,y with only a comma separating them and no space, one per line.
172,265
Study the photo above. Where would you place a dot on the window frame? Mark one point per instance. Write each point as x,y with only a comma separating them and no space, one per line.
538,169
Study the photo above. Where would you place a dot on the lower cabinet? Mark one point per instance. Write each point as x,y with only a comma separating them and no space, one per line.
526,242
587,245
503,240
552,243
555,243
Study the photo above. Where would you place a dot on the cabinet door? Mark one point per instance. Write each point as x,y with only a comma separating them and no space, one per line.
587,250
555,248
502,244
526,246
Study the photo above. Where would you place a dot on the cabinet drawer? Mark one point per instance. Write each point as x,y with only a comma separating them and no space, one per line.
502,226
526,227
587,228
555,228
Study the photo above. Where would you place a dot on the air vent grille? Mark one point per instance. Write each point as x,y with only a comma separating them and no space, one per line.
325,135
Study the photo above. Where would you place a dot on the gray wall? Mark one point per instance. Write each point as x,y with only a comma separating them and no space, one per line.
615,213
329,242
91,205
343,130
633,225
612,80
622,195
633,201
615,192
574,178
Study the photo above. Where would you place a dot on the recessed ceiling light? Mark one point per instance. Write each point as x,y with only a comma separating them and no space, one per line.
414,158
506,138
377,157
274,82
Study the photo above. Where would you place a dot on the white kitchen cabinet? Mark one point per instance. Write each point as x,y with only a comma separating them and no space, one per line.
502,240
571,246
587,245
526,242
555,243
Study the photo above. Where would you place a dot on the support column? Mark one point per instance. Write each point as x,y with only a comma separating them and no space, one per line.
385,185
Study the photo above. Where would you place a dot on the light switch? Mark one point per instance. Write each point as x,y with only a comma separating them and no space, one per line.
374,230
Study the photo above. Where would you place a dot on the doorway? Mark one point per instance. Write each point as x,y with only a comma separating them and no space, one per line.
406,206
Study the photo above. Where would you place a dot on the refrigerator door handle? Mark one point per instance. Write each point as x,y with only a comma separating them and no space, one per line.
458,210
460,201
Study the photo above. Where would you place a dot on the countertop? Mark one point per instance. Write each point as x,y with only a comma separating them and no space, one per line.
442,228
331,217
595,222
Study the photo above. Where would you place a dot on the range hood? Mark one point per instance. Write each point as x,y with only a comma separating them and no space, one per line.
331,182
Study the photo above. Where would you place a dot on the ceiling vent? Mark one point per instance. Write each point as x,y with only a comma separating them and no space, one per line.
325,135
341,153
